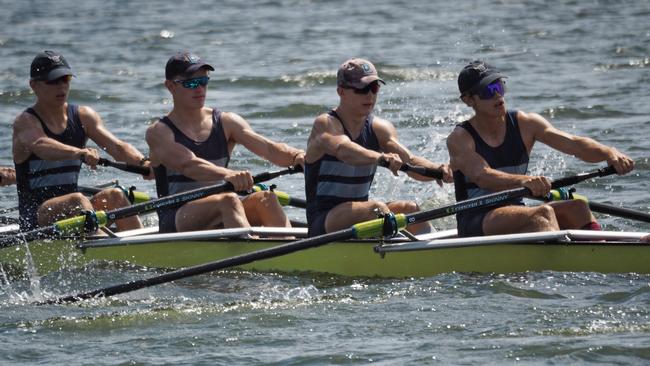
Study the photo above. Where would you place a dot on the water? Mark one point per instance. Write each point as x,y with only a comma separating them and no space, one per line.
583,66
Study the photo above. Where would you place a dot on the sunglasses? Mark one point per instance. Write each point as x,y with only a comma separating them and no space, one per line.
488,92
194,83
62,80
372,87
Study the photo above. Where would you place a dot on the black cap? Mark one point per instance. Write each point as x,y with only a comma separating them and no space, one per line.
48,66
184,64
477,75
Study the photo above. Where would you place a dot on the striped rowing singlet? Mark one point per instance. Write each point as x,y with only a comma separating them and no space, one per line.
509,157
214,149
39,180
330,182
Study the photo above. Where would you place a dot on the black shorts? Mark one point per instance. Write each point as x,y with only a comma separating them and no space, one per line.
167,220
471,223
316,224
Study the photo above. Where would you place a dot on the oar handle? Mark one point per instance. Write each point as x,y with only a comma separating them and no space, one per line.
406,167
563,182
124,166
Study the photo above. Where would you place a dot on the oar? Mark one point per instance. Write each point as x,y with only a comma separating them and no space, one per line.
601,207
388,225
95,219
283,197
4,220
124,166
130,193
287,200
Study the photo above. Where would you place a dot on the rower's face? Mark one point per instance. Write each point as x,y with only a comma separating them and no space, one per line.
52,92
490,100
190,90
364,99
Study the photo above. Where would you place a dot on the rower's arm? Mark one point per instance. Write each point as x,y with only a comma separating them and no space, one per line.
327,137
165,150
96,131
583,148
464,158
29,137
237,129
389,142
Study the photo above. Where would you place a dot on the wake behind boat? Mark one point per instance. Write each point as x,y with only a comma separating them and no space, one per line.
400,257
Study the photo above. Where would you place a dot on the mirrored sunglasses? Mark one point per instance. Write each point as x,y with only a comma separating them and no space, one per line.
490,90
194,83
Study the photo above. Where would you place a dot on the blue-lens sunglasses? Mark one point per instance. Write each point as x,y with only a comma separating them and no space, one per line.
194,83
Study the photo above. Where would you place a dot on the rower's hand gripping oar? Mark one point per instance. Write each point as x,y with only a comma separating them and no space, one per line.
427,172
368,229
93,220
142,170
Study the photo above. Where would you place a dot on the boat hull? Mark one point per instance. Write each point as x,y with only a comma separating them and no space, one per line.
357,259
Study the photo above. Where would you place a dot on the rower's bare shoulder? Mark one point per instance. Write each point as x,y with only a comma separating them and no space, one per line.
327,123
24,121
158,132
458,136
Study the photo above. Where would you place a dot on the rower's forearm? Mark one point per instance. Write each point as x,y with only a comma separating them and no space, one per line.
353,154
126,153
52,150
495,180
592,151
203,171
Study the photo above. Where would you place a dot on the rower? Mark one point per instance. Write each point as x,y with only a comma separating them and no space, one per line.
7,176
49,147
191,148
490,151
343,151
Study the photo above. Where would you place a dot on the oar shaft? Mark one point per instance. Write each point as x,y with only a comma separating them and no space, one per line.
209,267
360,230
619,211
124,166
179,199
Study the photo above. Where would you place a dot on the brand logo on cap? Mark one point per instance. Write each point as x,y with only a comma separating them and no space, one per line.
366,68
192,59
56,59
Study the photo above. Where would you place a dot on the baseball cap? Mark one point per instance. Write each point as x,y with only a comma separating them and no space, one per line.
476,75
184,63
48,66
357,73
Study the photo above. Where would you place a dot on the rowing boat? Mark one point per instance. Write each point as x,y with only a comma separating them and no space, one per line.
400,257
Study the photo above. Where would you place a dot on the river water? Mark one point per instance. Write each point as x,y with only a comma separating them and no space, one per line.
582,65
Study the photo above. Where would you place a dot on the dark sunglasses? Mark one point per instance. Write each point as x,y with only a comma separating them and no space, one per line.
63,79
372,87
488,92
194,83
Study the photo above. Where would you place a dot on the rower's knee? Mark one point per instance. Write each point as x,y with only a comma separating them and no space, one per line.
228,201
78,201
544,218
404,207
378,207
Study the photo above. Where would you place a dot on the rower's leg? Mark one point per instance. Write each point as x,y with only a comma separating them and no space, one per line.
520,219
111,199
406,207
572,214
347,214
61,207
212,212
263,209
